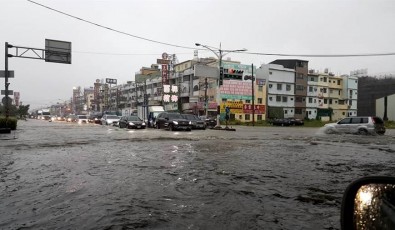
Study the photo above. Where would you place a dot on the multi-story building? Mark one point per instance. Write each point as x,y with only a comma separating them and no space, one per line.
351,93
280,92
312,95
300,83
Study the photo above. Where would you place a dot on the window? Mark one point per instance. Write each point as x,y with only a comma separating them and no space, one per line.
309,112
356,120
325,101
285,99
310,100
285,111
331,91
288,87
259,100
298,111
278,98
341,102
259,117
270,98
260,88
248,101
310,88
292,98
270,73
240,117
345,121
298,99
324,90
279,86
325,79
330,101
224,99
247,116
312,79
270,85
299,87
338,82
300,76
344,113
350,102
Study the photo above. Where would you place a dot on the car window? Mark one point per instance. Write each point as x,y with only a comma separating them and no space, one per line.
345,121
356,120
133,118
112,117
174,116
82,117
365,120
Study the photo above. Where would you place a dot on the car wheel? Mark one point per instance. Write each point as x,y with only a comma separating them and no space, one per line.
157,126
362,132
171,128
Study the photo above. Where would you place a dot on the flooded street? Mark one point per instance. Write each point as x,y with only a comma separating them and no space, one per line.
70,176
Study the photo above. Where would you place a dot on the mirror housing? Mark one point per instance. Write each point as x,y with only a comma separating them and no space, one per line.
369,203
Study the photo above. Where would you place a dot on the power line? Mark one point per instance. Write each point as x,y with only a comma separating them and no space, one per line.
194,48
124,54
108,28
323,55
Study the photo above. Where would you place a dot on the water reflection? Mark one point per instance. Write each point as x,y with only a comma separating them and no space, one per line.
374,207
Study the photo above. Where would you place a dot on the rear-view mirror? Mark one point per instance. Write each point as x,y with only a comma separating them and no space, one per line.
369,203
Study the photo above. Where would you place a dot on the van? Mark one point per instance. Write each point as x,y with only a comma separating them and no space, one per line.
357,125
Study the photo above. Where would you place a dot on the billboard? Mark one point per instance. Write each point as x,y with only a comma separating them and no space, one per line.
57,51
206,71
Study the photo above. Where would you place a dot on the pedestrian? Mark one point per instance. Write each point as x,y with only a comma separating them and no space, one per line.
227,116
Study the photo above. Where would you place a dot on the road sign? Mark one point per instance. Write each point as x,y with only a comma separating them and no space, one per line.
111,81
10,92
163,62
10,74
4,100
57,51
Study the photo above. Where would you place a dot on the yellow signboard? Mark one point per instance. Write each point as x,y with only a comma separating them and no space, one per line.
235,106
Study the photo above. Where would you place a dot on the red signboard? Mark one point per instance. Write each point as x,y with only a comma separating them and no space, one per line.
259,109
165,76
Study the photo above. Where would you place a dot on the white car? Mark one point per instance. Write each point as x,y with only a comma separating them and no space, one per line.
82,119
109,119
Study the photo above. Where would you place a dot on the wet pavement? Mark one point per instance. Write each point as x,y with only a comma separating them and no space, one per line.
69,176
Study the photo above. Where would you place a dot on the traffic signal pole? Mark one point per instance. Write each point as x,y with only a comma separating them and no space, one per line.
7,107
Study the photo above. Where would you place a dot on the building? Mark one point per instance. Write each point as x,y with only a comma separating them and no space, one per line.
385,107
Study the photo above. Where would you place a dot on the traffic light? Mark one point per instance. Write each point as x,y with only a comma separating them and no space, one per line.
233,74
221,76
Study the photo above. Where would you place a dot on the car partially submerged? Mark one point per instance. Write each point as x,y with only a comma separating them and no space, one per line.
131,122
196,123
357,125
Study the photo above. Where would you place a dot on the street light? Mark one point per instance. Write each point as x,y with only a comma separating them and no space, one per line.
222,53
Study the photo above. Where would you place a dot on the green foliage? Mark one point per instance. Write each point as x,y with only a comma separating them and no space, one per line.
19,112
389,124
11,123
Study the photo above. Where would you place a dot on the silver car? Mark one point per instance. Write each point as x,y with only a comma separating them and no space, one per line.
357,125
109,119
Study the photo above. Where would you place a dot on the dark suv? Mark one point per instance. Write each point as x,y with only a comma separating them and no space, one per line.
172,121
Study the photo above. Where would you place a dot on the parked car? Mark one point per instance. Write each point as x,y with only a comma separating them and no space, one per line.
82,119
131,122
296,121
281,122
71,118
210,121
109,119
357,125
196,123
172,121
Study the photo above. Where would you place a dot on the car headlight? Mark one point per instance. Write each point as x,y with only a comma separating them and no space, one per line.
175,122
131,123
190,122
143,123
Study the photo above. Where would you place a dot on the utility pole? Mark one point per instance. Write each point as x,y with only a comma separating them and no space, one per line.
253,95
7,106
205,96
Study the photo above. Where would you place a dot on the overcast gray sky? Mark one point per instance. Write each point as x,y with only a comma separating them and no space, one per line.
275,26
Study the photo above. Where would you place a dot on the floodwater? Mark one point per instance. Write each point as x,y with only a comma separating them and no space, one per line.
59,175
